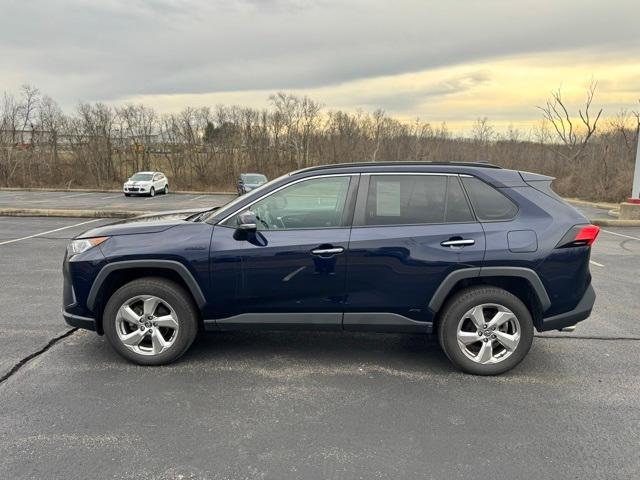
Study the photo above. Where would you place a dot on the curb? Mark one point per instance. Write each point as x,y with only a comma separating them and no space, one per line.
93,190
614,222
602,205
42,212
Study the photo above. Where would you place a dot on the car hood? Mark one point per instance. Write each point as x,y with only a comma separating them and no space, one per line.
150,223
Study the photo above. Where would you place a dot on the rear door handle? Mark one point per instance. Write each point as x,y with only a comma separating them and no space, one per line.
458,243
327,251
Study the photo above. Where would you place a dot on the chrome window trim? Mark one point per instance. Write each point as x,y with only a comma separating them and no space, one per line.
248,206
439,174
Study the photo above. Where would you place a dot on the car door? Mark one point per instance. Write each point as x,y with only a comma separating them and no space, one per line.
291,271
157,182
409,232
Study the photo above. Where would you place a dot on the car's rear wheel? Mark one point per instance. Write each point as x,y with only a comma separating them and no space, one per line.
485,330
152,192
150,321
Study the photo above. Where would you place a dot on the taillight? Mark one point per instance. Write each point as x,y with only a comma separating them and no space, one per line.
587,234
579,236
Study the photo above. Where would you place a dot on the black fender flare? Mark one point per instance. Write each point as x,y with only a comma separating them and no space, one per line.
173,265
454,277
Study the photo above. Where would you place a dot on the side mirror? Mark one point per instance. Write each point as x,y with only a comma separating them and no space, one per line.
247,221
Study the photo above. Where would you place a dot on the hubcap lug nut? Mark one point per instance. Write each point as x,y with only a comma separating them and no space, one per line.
480,333
493,336
142,328
155,324
484,326
485,340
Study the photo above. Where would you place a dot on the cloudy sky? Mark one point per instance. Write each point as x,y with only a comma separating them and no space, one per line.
439,60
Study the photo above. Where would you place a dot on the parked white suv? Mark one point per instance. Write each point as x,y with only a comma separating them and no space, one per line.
146,183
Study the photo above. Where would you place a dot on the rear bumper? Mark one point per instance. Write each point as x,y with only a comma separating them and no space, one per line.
86,323
567,319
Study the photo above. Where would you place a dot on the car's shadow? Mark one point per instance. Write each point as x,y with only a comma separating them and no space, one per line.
408,352
403,354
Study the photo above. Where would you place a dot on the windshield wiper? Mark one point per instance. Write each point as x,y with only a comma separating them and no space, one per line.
197,217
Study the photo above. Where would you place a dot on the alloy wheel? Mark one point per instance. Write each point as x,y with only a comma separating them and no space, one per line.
147,325
488,333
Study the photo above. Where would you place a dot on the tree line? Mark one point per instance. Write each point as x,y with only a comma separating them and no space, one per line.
99,145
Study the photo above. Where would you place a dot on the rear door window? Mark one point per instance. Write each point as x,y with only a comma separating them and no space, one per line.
489,204
415,199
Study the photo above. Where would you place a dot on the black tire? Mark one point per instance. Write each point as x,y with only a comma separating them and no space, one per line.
127,194
167,290
152,192
166,189
463,301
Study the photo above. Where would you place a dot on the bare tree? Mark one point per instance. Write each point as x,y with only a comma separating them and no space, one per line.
574,139
482,131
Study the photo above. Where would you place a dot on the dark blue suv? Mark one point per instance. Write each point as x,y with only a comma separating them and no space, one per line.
477,254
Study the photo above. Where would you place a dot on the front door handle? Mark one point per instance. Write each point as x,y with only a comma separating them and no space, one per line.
462,242
327,251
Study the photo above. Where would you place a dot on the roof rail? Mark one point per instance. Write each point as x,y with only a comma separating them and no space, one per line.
387,164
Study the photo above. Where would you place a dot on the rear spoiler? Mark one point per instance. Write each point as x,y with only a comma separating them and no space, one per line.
535,177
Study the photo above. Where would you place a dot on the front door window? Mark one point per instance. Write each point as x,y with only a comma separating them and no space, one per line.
310,204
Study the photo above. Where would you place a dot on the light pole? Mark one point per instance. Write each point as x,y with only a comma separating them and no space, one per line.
635,189
630,210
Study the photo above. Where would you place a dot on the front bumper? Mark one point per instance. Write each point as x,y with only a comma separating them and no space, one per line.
135,189
86,323
567,319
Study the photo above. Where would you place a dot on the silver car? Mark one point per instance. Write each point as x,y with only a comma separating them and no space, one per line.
146,183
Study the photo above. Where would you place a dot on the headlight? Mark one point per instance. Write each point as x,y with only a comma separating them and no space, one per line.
84,244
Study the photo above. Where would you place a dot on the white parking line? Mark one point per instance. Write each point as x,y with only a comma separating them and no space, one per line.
620,234
111,196
199,196
76,195
49,231
596,263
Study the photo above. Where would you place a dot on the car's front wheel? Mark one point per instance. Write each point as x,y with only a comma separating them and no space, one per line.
152,192
166,189
485,330
150,321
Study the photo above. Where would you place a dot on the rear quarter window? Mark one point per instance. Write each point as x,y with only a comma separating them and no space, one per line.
488,203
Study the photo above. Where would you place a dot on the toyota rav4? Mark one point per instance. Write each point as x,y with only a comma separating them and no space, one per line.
476,254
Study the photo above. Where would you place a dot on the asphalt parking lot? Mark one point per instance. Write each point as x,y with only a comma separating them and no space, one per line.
310,405
105,201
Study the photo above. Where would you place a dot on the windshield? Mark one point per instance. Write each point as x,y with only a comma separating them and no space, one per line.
254,179
228,208
141,177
